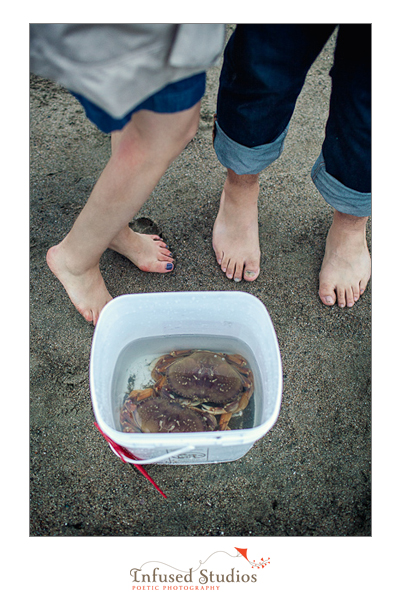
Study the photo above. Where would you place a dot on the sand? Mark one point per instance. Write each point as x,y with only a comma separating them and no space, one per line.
311,474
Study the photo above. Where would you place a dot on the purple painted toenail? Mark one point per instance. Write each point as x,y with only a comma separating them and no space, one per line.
169,266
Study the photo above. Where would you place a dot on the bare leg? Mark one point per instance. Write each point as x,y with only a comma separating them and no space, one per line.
147,252
235,234
147,145
346,268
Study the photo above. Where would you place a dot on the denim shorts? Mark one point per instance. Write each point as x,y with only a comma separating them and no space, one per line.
174,97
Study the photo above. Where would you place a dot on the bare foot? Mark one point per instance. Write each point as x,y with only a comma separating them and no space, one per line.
147,252
346,268
235,234
87,291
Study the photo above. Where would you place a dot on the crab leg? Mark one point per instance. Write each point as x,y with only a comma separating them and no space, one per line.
139,395
240,365
224,420
244,400
161,366
236,359
160,383
126,420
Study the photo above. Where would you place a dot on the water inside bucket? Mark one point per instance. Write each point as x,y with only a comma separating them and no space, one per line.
135,362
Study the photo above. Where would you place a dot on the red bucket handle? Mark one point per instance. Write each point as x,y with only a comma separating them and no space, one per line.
124,454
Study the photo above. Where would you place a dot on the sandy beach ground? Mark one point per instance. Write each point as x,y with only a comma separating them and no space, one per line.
311,474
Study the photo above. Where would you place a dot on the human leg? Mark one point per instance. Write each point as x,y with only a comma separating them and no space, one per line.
342,173
147,252
263,73
147,146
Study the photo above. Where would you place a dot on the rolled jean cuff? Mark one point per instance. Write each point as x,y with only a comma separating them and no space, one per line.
243,160
341,197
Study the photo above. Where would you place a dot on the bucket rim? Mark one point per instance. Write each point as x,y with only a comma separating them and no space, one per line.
197,293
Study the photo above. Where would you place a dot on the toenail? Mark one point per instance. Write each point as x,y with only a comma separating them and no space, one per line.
169,266
237,279
251,273
329,300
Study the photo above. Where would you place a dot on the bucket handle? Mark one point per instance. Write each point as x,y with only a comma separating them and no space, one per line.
149,461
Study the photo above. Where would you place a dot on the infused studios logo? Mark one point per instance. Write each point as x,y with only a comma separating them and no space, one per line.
159,576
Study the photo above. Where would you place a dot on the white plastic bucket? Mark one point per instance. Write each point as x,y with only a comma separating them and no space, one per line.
212,315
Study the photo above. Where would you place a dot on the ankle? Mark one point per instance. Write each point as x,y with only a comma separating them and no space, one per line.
241,192
69,260
242,181
349,223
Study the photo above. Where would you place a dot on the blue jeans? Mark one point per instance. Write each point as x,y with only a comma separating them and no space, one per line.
262,75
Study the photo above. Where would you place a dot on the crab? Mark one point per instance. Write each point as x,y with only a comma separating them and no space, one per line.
144,412
216,383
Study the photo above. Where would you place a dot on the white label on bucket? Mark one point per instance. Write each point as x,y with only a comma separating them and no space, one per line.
195,455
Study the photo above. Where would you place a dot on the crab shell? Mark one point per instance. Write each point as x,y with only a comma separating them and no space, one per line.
157,414
203,376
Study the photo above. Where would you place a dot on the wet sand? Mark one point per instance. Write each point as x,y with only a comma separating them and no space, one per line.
311,474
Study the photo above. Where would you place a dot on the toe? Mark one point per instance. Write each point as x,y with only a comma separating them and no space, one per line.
341,297
238,274
164,253
350,297
158,266
163,266
251,272
363,285
230,270
161,244
159,241
356,293
218,256
168,267
88,315
224,263
327,295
